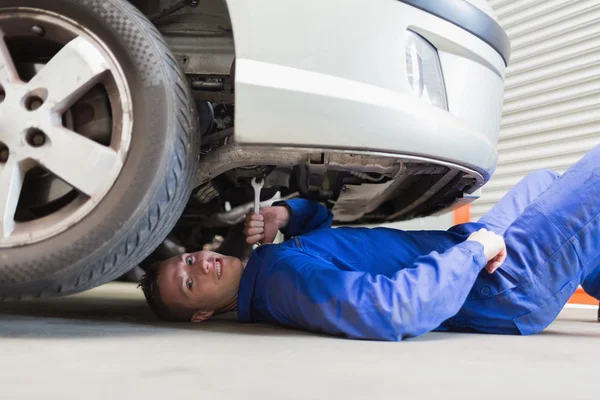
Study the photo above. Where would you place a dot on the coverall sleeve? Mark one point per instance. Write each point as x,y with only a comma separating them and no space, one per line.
304,293
306,216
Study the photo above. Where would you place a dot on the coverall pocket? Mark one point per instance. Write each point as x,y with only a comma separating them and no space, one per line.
539,319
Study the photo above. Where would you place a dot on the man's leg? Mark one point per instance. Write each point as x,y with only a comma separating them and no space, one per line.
551,247
524,193
591,283
512,204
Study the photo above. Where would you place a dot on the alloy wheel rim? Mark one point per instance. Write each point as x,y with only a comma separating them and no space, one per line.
34,133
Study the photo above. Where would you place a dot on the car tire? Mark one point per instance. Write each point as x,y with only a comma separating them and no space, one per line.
155,180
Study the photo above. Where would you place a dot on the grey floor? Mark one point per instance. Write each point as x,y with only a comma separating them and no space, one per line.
104,344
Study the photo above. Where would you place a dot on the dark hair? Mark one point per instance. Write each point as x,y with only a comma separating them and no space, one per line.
149,285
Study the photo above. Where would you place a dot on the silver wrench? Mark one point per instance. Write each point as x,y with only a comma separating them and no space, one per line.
257,186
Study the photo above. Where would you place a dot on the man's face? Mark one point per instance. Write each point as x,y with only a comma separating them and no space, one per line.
202,282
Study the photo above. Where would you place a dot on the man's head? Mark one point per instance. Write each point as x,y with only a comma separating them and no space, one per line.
193,286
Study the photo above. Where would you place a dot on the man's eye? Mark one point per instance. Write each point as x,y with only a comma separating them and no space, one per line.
189,260
190,284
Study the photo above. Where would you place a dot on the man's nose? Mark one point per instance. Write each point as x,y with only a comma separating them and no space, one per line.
205,266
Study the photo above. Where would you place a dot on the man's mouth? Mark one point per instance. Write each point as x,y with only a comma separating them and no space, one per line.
218,264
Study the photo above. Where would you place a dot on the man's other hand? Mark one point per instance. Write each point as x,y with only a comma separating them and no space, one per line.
263,227
494,248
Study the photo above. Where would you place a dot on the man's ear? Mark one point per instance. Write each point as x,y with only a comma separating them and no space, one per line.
200,316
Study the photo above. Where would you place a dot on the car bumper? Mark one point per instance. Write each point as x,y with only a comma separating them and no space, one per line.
338,80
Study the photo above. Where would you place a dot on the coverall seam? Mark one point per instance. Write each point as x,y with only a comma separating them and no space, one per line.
576,238
569,238
564,233
538,271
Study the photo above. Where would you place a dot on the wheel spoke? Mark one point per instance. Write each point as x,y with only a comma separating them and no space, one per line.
12,175
8,72
77,160
71,73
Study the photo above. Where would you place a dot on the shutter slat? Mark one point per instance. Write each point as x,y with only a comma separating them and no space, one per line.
554,83
505,8
570,132
564,30
546,70
544,112
545,13
533,60
544,125
554,98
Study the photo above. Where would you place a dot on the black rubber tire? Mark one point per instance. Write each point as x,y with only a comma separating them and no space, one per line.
150,193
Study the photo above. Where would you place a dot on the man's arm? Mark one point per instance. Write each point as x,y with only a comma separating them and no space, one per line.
303,292
305,216
293,217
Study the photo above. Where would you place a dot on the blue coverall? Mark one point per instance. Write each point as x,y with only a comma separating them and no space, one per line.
388,284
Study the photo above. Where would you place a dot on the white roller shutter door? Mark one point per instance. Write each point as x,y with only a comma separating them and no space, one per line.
552,98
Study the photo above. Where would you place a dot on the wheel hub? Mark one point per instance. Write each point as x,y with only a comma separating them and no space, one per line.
43,157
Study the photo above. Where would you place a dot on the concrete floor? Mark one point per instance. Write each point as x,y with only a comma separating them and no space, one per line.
104,344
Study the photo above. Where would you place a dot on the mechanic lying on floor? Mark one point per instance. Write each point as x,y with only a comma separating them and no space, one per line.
388,284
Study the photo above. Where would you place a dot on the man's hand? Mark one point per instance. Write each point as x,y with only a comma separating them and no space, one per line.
494,248
263,227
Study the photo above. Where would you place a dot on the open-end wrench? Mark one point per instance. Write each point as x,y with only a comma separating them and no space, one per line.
257,186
